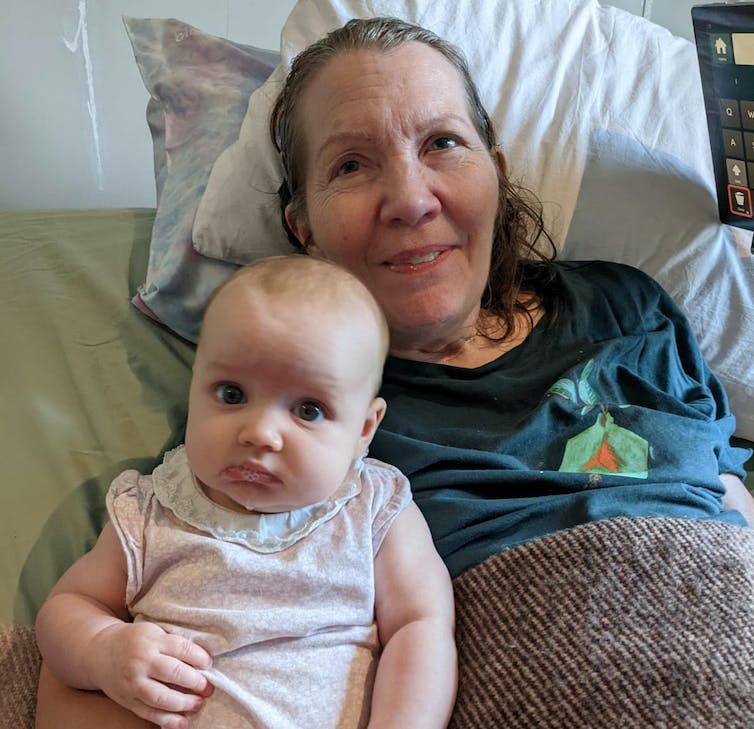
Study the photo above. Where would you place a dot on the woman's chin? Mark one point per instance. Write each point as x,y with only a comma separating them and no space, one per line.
426,319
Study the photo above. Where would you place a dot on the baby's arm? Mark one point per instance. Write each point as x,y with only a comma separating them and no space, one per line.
416,677
87,641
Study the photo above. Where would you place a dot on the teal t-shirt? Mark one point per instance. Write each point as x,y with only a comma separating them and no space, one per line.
607,409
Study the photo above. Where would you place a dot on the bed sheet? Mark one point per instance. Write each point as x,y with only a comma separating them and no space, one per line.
89,386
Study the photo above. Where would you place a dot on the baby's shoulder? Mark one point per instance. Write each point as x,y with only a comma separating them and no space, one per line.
132,487
384,482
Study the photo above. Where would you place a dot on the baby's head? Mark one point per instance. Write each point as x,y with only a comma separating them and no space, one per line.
284,387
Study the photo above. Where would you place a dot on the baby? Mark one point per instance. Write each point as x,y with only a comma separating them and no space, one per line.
267,574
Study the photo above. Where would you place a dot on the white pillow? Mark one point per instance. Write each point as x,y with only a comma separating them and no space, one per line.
572,87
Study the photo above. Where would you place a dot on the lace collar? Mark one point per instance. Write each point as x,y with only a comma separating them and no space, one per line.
177,490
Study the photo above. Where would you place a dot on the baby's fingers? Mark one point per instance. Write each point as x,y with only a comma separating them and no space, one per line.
171,671
186,651
159,695
162,705
163,718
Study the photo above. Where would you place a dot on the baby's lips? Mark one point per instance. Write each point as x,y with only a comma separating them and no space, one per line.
250,474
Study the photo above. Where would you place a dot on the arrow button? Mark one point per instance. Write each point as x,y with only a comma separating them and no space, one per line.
736,172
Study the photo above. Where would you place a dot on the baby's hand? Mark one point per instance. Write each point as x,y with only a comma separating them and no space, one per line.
151,672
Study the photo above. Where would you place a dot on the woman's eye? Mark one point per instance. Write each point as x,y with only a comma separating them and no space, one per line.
309,411
349,167
444,143
229,394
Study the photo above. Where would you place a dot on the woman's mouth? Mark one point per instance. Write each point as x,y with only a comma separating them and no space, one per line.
412,260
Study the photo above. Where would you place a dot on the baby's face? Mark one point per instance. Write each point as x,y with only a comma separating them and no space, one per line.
282,401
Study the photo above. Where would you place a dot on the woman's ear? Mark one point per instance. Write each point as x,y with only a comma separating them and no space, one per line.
300,228
373,418
502,164
298,224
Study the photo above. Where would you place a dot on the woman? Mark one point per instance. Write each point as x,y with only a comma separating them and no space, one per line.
392,171
524,396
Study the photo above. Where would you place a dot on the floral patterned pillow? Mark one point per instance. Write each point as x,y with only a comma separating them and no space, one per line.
199,87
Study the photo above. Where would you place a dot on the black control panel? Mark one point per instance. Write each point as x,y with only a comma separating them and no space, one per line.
724,35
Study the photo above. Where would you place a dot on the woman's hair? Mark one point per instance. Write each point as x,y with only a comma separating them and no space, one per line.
517,263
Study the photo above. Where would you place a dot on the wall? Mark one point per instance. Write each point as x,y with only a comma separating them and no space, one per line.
73,130
72,126
673,14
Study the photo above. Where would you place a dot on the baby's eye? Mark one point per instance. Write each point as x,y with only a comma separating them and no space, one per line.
309,411
348,167
229,394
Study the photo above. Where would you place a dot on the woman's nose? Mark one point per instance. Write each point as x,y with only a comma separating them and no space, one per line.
259,428
408,195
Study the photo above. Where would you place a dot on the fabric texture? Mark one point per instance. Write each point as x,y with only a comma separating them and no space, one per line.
580,422
87,375
599,112
19,674
292,633
199,86
629,623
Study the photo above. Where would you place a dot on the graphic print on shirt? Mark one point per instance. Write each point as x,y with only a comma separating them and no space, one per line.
603,447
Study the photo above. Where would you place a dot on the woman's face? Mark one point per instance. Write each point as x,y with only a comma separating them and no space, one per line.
399,187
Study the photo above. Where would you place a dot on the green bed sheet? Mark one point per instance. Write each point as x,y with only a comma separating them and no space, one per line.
90,386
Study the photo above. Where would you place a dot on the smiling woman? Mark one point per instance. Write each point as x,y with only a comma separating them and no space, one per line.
402,195
518,403
412,197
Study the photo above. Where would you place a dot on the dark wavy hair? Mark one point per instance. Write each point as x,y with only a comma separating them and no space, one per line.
522,250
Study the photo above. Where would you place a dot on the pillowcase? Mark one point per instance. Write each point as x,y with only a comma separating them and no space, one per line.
598,111
199,87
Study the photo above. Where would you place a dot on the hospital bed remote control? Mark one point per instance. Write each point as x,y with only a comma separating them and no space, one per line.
725,47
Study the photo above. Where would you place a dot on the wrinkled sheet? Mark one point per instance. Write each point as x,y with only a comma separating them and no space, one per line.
89,386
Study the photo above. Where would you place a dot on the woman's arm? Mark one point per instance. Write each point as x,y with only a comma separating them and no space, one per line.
737,497
61,707
416,677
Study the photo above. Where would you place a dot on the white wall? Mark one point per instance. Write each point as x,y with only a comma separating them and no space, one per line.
72,119
673,14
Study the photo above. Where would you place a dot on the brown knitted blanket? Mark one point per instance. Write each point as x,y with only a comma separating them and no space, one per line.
620,623
645,623
19,671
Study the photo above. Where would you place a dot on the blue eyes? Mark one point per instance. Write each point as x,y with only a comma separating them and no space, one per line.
309,411
230,394
306,410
